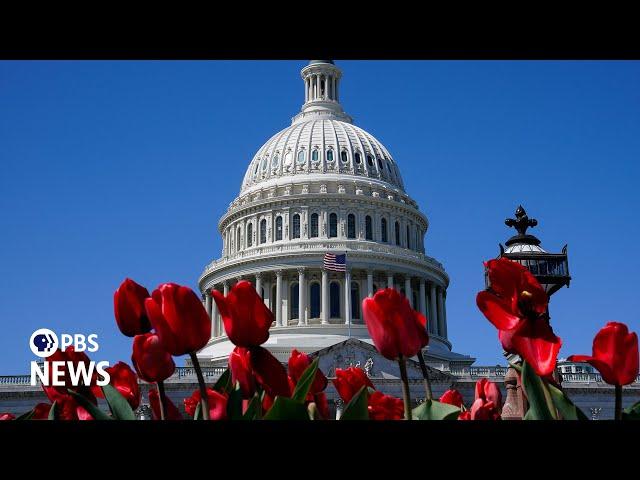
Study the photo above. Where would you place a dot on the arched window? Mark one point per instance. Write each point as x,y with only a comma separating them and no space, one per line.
278,228
314,156
357,158
301,157
380,166
333,225
370,160
408,237
330,156
249,234
275,161
397,233
265,164
314,225
293,299
334,300
314,300
351,226
263,231
355,301
238,239
344,156
383,229
296,226
368,228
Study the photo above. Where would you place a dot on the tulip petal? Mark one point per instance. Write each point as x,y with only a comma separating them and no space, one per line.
497,310
537,344
269,372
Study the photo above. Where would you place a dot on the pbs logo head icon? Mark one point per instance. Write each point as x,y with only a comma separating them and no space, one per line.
43,342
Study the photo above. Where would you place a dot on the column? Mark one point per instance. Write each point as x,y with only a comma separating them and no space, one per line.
407,290
215,320
390,280
279,298
444,314
422,298
301,296
207,302
347,297
259,284
267,294
440,314
370,283
317,77
285,301
325,297
433,324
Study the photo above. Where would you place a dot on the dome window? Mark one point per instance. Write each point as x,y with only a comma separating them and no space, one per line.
383,229
368,228
357,158
301,157
344,156
315,157
263,231
278,228
369,160
296,226
380,165
265,163
314,225
351,226
250,235
288,158
275,161
330,156
333,225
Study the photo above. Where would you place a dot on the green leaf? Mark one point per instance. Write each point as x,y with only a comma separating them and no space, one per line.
26,415
565,406
253,409
284,408
534,387
304,383
632,412
120,408
95,412
234,403
197,415
434,410
517,367
357,408
52,411
223,385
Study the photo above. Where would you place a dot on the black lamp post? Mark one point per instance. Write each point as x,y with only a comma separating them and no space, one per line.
550,269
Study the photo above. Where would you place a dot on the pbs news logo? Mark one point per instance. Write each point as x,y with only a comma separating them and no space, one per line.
44,343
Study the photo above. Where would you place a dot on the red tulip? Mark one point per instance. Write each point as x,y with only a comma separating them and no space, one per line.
615,354
246,318
179,318
269,372
349,381
516,304
323,405
298,363
128,306
489,392
41,411
452,397
385,407
483,410
76,358
171,411
152,362
395,328
217,404
67,407
466,415
7,416
125,381
242,371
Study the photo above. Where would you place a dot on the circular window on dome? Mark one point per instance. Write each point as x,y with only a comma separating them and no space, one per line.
275,161
315,156
288,158
344,156
301,157
330,156
264,164
369,160
357,158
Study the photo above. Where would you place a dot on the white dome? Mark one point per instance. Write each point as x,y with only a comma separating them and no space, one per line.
321,146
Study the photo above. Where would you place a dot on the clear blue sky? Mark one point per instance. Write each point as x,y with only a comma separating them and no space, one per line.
116,169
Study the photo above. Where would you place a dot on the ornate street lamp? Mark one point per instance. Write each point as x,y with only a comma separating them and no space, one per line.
550,269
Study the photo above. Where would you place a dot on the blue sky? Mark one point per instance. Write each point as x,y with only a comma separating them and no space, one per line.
116,169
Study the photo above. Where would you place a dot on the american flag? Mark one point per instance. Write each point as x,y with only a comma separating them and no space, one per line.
337,263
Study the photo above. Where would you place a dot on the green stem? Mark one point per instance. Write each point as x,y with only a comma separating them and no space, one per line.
549,400
405,387
204,398
618,410
162,400
425,375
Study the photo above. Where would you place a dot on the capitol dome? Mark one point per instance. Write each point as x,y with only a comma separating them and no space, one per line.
324,186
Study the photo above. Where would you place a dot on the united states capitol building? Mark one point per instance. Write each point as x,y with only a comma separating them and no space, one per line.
324,185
